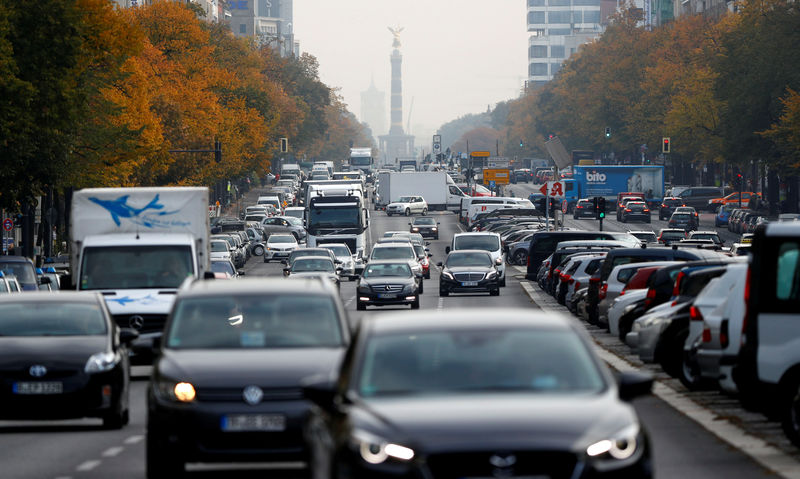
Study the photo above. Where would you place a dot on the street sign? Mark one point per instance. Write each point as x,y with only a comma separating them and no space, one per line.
492,184
498,176
8,224
564,206
480,154
553,189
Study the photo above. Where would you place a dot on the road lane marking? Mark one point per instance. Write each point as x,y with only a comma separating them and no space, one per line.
134,439
440,306
112,451
88,465
757,449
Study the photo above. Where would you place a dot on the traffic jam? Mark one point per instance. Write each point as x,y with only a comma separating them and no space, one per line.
275,331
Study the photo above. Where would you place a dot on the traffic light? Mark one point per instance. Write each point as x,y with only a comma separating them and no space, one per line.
601,207
17,220
520,143
665,145
608,132
551,136
284,145
739,181
594,205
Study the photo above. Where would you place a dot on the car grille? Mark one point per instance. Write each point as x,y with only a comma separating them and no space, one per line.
150,323
551,464
388,288
235,394
468,276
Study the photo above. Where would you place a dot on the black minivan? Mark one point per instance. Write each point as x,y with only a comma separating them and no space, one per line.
544,243
698,196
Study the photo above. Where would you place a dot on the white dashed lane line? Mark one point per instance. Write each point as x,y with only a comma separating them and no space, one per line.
112,451
87,466
134,439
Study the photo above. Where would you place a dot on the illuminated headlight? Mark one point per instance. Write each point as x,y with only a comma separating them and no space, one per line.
414,229
447,275
180,391
375,450
434,229
101,362
491,275
620,446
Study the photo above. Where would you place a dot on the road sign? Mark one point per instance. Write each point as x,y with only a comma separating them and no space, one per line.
480,154
497,176
564,206
8,224
492,184
553,189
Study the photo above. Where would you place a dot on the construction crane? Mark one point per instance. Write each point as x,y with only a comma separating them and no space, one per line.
408,123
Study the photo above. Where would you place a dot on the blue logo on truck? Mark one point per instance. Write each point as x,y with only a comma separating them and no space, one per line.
120,208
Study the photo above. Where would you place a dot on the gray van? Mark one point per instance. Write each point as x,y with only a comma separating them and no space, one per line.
698,196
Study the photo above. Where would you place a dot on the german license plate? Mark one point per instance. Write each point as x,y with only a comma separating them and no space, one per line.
387,296
51,387
469,283
253,422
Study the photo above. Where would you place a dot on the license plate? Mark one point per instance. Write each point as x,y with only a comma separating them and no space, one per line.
51,387
387,296
469,283
253,422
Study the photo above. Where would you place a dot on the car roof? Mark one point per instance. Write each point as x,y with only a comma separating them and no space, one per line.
465,319
592,243
477,233
258,286
392,244
785,228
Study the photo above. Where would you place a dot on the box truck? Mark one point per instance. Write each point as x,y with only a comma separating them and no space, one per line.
438,189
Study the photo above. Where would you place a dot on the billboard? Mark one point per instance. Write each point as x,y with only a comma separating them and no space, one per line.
500,176
609,180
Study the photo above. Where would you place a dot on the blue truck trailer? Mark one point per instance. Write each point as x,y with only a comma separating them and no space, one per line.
608,181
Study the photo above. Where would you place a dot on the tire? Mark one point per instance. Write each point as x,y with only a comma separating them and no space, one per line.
415,304
360,306
427,275
790,420
520,257
690,375
266,260
670,353
421,287
494,292
424,211
502,282
258,250
161,461
408,212
116,419
388,214
444,293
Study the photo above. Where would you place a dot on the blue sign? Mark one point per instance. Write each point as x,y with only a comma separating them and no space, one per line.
491,183
120,208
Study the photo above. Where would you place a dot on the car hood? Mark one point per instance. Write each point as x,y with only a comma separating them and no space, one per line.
50,351
397,203
312,274
505,421
285,367
386,280
469,269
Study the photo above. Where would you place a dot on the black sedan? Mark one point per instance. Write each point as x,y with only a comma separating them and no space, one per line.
450,394
469,271
226,384
63,357
427,227
583,209
635,211
387,283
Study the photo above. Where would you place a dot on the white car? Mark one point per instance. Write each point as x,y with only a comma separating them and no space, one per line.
345,256
407,205
279,246
486,241
220,250
295,211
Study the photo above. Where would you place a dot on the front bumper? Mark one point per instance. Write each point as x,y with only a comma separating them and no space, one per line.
272,254
375,299
427,232
454,286
194,431
636,217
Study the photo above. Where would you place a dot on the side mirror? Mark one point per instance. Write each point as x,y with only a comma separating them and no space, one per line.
427,243
439,264
498,261
409,223
128,335
430,255
339,270
44,280
241,273
634,384
446,250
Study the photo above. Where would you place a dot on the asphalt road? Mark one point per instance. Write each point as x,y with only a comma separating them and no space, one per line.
80,449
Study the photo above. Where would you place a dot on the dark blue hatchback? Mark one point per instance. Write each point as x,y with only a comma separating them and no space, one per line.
23,269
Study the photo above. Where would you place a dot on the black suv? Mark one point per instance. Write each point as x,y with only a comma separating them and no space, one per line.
668,205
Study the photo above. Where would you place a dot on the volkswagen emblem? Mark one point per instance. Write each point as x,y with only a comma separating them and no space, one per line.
37,370
136,322
503,460
253,395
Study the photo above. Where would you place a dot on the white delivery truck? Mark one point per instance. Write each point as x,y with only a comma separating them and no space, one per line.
337,213
438,189
136,246
361,159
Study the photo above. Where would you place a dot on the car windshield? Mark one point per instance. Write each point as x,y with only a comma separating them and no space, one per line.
456,259
480,361
672,235
706,236
219,247
673,202
223,267
254,322
647,237
310,263
425,221
256,218
294,221
393,252
484,242
21,269
339,250
281,239
135,267
51,319
383,270
404,199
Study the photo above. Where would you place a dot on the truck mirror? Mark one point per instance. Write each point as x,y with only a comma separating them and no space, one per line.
446,250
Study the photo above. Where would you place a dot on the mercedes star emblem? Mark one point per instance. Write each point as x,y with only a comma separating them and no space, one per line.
136,322
37,370
502,461
253,395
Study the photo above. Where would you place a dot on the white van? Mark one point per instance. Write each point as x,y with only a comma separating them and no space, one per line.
485,241
273,200
476,209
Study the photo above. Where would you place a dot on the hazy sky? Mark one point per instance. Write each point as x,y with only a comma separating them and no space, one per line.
458,55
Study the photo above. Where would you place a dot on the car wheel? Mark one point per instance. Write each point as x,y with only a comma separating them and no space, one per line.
791,411
443,292
116,418
388,214
427,275
689,374
670,353
502,282
266,260
258,250
424,211
408,212
361,306
494,292
520,257
415,303
161,461
421,287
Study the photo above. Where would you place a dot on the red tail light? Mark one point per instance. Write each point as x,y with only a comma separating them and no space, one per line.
569,279
724,339
695,314
746,304
677,289
603,291
528,261
577,285
651,296
706,335
646,210
594,280
579,207
628,210
663,205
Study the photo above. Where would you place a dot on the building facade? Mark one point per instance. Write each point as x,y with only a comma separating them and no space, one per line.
373,109
269,21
